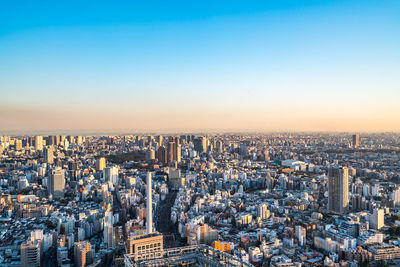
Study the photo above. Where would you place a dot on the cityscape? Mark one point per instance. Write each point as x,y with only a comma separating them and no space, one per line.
200,133
215,199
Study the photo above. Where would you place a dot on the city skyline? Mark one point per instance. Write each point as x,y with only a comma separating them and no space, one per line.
209,67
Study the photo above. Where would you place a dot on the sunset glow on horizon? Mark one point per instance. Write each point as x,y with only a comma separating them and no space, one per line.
226,66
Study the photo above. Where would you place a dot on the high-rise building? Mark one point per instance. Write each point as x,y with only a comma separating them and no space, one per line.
338,189
38,142
356,140
150,154
108,232
79,140
30,254
218,146
18,144
149,206
396,195
377,219
173,150
159,140
100,164
57,141
111,174
200,144
56,183
82,253
170,154
300,233
48,155
263,212
162,155
51,140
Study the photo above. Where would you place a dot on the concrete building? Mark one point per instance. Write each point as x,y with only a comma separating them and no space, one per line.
338,189
100,164
56,183
356,140
377,219
30,254
82,253
300,233
38,142
145,243
149,207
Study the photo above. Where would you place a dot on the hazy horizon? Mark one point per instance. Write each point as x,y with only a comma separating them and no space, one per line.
280,66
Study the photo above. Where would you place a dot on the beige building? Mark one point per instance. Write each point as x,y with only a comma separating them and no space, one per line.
145,243
100,164
30,254
82,253
377,219
38,142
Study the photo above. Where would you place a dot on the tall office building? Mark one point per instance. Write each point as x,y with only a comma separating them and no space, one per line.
150,154
48,155
218,146
111,174
79,140
18,144
82,253
162,155
149,207
263,212
377,219
338,189
100,164
395,196
173,150
38,142
170,153
356,140
30,254
56,183
51,140
177,149
108,232
200,144
159,140
300,234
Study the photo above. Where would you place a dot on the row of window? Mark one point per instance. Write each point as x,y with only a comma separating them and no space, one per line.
150,246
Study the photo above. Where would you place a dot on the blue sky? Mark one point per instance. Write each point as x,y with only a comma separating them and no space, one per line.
224,65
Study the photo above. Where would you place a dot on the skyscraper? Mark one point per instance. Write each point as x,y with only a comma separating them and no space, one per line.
300,234
162,155
56,183
48,155
263,212
356,140
100,164
111,174
173,149
38,142
108,231
149,208
18,144
338,189
170,150
82,253
200,144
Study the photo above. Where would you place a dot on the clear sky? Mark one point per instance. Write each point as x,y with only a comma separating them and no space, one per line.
200,65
